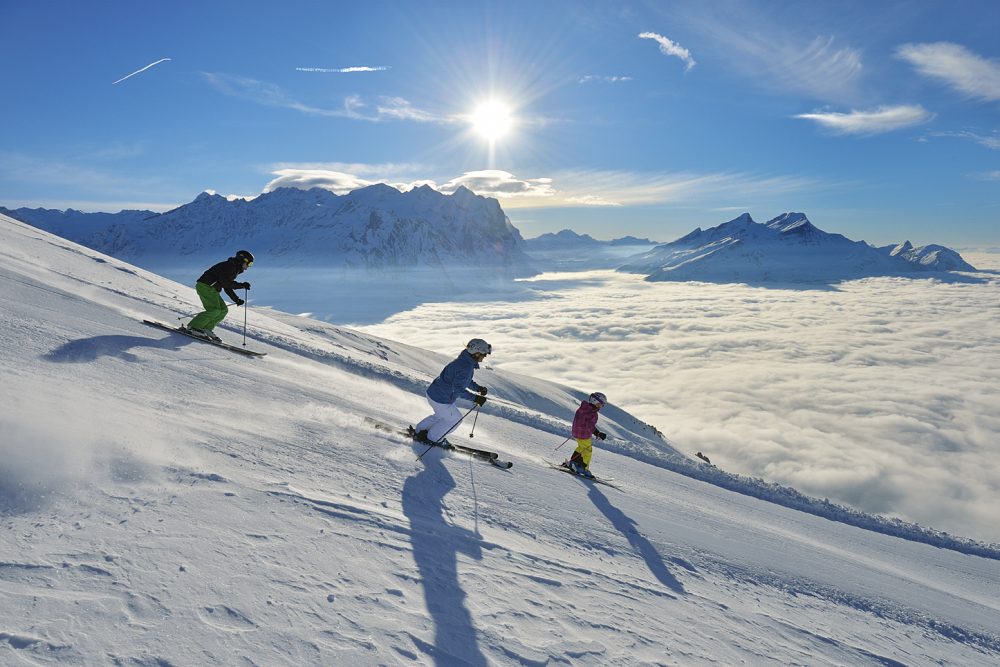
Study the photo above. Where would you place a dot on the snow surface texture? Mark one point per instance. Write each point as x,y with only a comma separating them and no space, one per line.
168,502
789,249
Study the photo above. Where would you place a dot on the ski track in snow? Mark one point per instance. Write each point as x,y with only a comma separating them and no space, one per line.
169,503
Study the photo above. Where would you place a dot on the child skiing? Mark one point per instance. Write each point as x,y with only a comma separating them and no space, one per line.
453,383
221,276
584,427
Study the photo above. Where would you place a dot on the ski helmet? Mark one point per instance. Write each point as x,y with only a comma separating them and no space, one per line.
597,399
479,346
245,255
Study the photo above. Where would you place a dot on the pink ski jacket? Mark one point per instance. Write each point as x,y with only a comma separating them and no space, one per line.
585,421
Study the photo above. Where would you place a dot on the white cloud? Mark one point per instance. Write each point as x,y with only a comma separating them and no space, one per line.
878,121
669,47
988,176
563,189
500,184
872,394
354,107
956,66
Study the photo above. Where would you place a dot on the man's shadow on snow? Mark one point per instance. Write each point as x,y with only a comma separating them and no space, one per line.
643,547
90,349
436,545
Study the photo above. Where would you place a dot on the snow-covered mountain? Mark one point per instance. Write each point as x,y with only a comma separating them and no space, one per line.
376,227
567,239
788,248
164,501
567,250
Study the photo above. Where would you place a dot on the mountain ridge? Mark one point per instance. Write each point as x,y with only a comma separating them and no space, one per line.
787,248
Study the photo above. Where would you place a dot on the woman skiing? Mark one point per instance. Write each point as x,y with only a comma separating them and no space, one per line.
221,276
453,383
584,427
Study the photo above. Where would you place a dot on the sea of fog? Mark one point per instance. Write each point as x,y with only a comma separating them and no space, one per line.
881,393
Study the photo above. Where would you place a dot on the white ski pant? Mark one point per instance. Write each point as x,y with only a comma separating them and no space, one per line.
445,417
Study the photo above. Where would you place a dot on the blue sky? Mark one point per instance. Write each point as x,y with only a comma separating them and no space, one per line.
879,120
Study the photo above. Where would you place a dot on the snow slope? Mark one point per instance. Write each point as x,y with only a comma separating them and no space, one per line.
165,502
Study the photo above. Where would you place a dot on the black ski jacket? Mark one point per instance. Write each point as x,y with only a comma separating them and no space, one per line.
222,276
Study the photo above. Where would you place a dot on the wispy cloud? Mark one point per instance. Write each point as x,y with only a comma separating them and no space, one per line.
501,184
668,47
956,66
354,106
603,79
770,53
878,121
989,141
343,70
987,176
563,189
139,71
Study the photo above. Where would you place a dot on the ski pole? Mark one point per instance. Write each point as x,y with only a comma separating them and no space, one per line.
246,300
563,443
476,419
436,442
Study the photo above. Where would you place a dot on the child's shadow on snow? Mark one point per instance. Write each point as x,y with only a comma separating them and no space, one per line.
90,349
436,543
627,527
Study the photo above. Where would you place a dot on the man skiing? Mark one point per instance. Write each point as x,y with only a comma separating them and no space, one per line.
453,383
221,276
584,427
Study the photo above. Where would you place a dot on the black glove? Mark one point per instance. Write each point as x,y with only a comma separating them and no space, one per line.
238,301
245,286
483,391
600,435
479,400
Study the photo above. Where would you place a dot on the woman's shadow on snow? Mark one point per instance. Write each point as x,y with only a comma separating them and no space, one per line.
627,527
436,544
85,350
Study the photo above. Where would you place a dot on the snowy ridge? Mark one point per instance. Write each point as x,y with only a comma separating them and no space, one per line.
788,248
373,227
153,487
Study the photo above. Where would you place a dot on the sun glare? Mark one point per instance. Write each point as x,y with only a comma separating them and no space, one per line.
492,120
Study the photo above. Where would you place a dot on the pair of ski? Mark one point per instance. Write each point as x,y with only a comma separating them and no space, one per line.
564,467
481,454
187,332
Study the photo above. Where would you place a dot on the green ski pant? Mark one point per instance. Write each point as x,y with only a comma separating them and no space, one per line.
215,308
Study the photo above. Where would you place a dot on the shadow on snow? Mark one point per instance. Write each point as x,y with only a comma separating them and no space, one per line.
436,546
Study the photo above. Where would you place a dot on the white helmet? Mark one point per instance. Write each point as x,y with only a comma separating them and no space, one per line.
597,399
479,346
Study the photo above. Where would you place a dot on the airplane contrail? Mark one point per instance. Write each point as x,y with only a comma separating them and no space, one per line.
342,70
141,70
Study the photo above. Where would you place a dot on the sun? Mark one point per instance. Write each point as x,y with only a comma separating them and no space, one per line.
492,120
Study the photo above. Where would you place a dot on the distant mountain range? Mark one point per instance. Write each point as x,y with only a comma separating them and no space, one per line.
787,248
568,239
381,228
376,227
